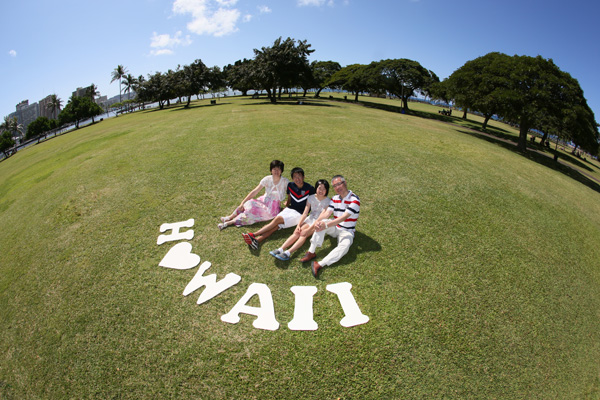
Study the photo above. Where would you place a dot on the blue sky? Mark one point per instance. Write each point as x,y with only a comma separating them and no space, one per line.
56,46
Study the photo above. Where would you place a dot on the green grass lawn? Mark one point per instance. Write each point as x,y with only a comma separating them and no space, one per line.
478,266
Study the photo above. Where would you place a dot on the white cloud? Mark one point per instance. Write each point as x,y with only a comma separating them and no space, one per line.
164,44
210,17
317,3
161,52
12,53
264,9
247,18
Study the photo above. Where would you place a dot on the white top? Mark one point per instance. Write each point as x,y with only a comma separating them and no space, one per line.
316,206
272,191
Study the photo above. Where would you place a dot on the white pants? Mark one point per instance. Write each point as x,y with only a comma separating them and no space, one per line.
344,239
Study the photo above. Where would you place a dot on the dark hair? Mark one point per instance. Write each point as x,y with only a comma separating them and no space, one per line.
297,170
324,183
276,164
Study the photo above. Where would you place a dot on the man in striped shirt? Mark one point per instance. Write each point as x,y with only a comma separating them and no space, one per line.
345,207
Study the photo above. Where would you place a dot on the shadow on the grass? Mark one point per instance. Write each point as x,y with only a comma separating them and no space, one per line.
543,159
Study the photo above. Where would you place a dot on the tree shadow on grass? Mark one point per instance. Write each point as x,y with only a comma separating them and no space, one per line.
301,101
543,159
196,106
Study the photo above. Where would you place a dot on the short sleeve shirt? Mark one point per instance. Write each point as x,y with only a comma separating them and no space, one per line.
272,191
298,196
316,206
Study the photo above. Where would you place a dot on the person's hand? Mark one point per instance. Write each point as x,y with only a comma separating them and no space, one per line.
319,226
298,230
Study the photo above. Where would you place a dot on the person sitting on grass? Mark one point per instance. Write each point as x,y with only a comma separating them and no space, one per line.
315,204
298,192
345,207
265,207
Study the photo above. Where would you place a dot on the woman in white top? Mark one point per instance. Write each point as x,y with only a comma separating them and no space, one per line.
315,204
265,207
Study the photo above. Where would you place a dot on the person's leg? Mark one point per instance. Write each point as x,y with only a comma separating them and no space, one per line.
261,237
307,230
290,241
345,240
317,241
270,227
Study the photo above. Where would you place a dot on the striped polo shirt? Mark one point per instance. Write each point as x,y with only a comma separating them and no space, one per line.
349,204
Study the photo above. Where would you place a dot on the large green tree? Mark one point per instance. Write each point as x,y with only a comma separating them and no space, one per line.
283,65
194,79
79,109
402,77
537,88
480,84
6,142
322,71
354,78
239,76
39,126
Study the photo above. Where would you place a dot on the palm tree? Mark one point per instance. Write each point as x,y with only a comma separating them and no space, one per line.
55,104
12,125
119,73
129,82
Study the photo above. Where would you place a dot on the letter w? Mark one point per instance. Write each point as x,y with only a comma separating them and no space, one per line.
211,286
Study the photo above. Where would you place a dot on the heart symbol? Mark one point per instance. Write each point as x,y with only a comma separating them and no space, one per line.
180,257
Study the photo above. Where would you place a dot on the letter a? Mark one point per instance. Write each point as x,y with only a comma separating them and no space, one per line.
211,286
176,235
353,314
303,310
265,313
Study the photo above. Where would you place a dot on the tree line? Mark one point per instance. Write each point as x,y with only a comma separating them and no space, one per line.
531,92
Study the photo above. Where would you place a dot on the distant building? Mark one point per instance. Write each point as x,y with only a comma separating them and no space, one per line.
26,113
80,92
45,110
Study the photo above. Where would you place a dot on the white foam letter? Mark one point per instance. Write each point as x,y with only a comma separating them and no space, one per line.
176,235
211,286
353,314
303,310
265,313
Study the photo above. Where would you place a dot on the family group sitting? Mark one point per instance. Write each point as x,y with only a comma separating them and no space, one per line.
307,208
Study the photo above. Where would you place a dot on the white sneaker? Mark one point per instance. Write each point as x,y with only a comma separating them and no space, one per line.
222,226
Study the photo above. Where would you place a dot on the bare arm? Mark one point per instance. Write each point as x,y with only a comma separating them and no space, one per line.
320,225
251,195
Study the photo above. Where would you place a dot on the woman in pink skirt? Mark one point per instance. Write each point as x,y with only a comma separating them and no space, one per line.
265,207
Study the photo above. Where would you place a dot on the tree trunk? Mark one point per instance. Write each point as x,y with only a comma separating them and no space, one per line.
405,103
544,138
356,97
188,102
485,121
318,93
524,128
465,114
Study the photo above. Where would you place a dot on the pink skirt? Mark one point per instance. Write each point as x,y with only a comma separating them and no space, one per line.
257,210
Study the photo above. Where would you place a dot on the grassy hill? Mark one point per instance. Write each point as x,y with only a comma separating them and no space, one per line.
478,267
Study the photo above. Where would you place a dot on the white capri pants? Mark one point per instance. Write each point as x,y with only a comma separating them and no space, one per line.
344,239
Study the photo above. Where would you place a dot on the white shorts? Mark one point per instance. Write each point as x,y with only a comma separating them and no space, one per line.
290,218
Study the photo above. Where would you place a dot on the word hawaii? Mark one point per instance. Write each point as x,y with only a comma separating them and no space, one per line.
180,257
